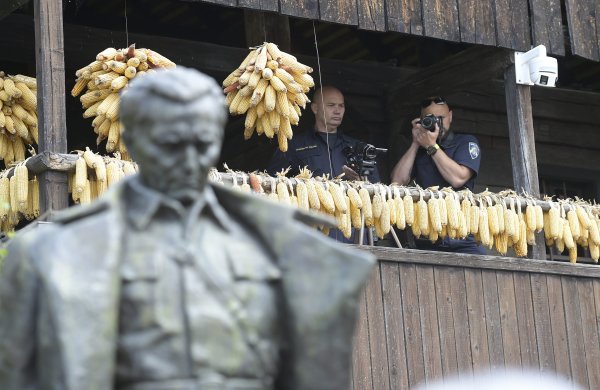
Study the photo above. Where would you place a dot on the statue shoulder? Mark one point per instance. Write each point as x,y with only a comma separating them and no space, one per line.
75,213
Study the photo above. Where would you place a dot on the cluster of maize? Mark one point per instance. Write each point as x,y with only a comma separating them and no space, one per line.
269,87
18,116
94,174
19,196
580,225
498,221
103,80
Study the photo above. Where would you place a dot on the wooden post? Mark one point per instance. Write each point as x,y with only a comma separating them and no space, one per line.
267,27
522,145
50,65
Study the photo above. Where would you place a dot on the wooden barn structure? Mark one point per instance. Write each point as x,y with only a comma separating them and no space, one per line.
424,315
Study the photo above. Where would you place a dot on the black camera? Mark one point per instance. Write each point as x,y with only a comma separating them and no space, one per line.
428,122
361,157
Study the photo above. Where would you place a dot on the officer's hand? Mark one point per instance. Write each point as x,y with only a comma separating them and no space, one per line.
426,138
349,173
416,129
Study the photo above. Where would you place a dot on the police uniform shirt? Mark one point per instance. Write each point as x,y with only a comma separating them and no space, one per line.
310,149
462,148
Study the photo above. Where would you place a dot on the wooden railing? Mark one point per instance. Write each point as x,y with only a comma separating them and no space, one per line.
428,315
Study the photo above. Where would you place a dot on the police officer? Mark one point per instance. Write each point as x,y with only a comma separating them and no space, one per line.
321,149
442,158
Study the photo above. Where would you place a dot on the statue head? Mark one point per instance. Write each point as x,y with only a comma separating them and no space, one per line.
173,128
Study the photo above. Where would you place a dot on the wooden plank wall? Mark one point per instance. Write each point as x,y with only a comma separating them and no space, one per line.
426,316
513,24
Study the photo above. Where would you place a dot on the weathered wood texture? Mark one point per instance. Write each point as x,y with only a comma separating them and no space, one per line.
506,23
582,18
50,65
522,144
440,319
267,27
8,6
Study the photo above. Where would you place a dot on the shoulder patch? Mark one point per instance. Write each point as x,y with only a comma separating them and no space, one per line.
473,150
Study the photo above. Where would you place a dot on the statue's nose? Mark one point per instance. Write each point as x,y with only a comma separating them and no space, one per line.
191,158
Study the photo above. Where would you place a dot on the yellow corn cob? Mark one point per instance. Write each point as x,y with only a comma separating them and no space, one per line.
282,141
451,211
354,197
92,110
14,206
86,195
555,224
367,207
274,120
293,114
4,197
500,215
521,246
18,149
423,216
539,218
245,78
98,188
104,80
338,197
501,243
11,90
560,245
277,84
130,72
594,231
232,78
347,230
30,82
384,219
416,230
129,168
21,186
285,128
261,59
567,236
21,130
583,217
119,83
484,227
530,218
409,210
267,73
325,198
28,97
392,206
9,156
594,251
492,221
80,176
377,205
79,86
313,197
281,104
355,216
106,103
434,214
302,195
282,193
463,229
114,134
510,226
573,226
270,98
573,255
106,54
114,173
247,90
400,213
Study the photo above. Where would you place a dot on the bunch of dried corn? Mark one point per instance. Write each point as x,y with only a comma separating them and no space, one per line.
269,87
103,80
19,196
500,221
18,116
94,174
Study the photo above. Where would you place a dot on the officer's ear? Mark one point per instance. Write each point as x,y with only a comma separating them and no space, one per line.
313,107
449,117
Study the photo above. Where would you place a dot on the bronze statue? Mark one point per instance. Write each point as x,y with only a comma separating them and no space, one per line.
171,282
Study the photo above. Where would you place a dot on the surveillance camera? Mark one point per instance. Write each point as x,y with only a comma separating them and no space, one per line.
534,67
543,71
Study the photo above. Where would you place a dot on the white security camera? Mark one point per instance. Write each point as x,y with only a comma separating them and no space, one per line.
534,67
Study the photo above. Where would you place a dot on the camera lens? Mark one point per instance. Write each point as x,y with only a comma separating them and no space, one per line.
428,123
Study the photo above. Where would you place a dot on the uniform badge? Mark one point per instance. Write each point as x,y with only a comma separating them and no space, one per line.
473,150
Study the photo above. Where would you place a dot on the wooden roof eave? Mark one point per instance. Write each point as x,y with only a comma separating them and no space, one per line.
8,6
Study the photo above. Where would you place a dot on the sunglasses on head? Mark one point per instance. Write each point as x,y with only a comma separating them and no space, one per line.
437,100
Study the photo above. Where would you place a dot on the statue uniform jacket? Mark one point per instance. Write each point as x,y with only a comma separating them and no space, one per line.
60,289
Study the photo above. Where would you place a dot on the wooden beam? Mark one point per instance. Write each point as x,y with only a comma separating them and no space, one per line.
522,145
8,6
469,67
50,65
267,27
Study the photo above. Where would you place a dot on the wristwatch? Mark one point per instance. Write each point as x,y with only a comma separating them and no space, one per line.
432,149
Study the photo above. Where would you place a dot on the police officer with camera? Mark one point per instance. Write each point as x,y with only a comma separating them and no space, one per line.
440,157
325,150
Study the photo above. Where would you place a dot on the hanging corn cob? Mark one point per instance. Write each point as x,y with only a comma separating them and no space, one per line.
270,87
18,116
101,83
